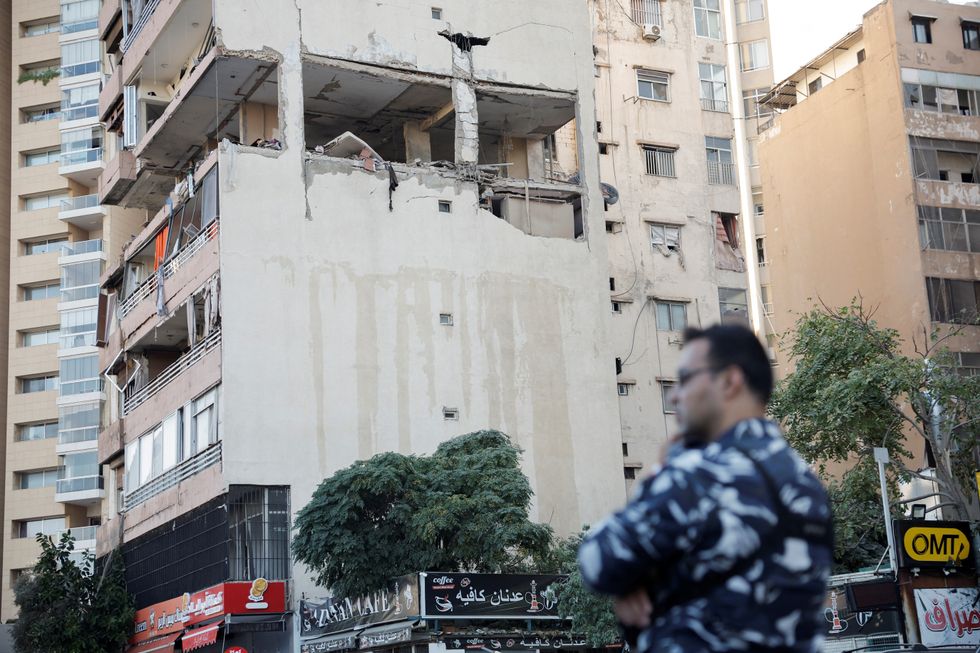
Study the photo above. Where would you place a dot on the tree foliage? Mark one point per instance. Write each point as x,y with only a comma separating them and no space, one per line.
64,608
854,389
464,508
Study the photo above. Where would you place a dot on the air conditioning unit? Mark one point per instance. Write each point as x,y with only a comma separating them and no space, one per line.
652,32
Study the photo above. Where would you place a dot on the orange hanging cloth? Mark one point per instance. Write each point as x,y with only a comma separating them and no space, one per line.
160,248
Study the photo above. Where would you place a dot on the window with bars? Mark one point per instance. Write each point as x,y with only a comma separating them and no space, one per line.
647,12
949,229
659,161
258,528
714,87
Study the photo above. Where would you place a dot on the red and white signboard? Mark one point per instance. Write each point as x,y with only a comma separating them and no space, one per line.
199,637
174,615
948,616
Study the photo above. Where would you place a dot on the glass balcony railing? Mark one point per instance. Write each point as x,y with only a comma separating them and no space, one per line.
81,246
78,113
79,157
74,70
79,483
81,386
74,436
80,202
80,25
83,533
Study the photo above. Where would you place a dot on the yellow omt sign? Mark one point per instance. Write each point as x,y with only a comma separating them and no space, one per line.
932,544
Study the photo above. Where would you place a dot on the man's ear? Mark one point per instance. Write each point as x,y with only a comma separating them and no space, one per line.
733,381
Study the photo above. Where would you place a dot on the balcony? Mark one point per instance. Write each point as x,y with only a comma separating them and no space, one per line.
721,174
172,477
134,397
82,165
709,104
82,112
83,211
126,182
80,247
84,537
84,487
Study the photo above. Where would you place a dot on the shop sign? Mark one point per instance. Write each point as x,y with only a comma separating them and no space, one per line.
948,616
933,543
840,621
330,645
174,615
396,602
516,642
235,649
385,637
489,596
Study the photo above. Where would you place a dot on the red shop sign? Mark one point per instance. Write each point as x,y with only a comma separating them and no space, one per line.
256,597
235,649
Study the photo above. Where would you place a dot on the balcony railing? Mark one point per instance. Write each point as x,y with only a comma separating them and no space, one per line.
81,247
81,533
79,339
84,68
767,309
78,483
149,285
78,293
173,476
83,434
79,113
139,24
80,202
135,397
709,104
721,174
81,386
79,157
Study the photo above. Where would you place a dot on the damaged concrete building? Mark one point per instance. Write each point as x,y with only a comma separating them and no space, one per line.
677,123
361,236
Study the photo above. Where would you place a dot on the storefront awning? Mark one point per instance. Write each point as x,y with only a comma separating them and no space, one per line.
159,645
257,623
199,637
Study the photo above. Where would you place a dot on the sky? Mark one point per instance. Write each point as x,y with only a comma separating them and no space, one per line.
801,30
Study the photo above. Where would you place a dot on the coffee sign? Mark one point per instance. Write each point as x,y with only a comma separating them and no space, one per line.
490,596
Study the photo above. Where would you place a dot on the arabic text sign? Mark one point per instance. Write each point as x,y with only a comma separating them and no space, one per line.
948,616
526,642
490,596
399,601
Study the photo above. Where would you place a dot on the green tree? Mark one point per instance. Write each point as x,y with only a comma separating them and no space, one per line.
854,389
65,608
464,508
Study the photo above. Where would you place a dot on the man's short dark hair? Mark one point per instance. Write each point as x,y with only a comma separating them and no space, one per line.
730,344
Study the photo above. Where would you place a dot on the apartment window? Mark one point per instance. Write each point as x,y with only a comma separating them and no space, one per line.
755,54
921,29
39,338
80,375
653,85
79,422
42,158
445,206
38,479
667,395
760,251
952,300
750,100
436,13
949,229
81,102
79,15
78,328
815,85
967,363
707,18
31,528
258,538
945,159
942,99
753,151
971,35
40,114
629,473
766,303
39,431
80,466
647,12
617,307
32,384
45,201
861,56
80,58
671,316
81,146
659,161
714,87
665,236
446,319
721,169
46,246
40,292
80,280
41,28
623,389
734,305
759,209
204,419
747,11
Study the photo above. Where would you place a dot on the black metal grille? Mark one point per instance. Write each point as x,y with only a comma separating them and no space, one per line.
258,527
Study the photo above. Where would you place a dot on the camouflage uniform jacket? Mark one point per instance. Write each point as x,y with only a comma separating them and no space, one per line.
727,569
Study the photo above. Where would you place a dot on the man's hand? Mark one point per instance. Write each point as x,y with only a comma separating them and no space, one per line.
634,609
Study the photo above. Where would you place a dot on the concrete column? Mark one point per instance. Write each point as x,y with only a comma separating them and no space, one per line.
535,159
418,144
467,118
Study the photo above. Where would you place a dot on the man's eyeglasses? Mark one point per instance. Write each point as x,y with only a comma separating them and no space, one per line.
683,376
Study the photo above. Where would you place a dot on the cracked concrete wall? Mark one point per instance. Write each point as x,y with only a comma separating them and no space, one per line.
361,364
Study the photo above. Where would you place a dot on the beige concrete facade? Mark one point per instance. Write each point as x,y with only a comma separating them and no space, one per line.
841,176
34,124
648,277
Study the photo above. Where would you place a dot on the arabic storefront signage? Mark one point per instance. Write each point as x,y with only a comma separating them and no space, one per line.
331,644
933,543
399,601
842,622
948,616
385,637
489,596
515,642
174,615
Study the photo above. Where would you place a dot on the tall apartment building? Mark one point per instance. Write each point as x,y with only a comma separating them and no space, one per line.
871,174
362,238
677,84
59,238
